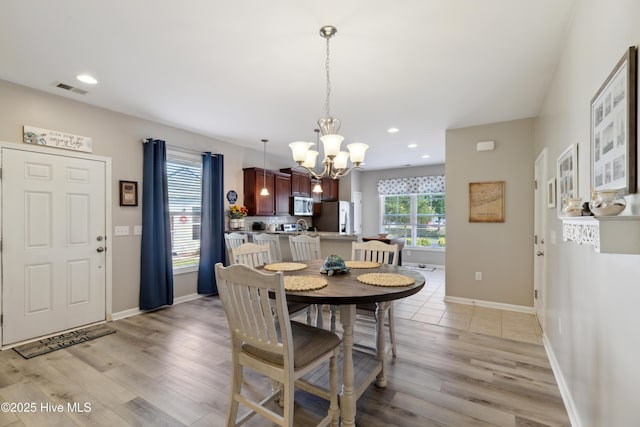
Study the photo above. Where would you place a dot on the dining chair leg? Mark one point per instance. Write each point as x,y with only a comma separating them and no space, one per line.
333,385
332,316
392,330
319,319
236,385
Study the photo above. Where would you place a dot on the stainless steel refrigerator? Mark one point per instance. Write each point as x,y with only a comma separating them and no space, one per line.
334,216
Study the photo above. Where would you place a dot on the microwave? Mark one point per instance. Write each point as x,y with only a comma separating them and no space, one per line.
301,206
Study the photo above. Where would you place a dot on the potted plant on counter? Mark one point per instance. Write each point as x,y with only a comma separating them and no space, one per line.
236,217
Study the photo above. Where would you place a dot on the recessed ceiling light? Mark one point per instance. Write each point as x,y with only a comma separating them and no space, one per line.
393,130
85,78
426,156
412,145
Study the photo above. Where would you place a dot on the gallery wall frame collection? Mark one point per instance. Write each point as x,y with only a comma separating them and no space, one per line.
567,177
614,128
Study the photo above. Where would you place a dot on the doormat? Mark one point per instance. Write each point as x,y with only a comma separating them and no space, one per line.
57,342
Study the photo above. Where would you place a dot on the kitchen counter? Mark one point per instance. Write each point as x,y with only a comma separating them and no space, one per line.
322,234
330,242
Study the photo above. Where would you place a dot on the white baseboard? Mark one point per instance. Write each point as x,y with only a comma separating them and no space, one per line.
135,311
562,384
490,304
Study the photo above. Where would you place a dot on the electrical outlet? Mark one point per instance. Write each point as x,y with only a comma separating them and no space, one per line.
478,275
121,230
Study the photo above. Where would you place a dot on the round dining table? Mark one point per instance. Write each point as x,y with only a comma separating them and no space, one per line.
345,291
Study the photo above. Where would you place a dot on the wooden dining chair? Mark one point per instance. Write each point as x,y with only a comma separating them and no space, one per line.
264,340
304,247
251,254
256,255
273,241
233,240
383,253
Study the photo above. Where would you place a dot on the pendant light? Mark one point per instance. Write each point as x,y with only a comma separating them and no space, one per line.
264,191
335,161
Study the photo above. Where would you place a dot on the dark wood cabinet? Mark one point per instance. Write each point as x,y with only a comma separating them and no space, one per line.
300,182
278,184
330,190
282,193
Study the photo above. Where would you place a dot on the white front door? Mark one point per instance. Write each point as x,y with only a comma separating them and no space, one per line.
53,242
541,200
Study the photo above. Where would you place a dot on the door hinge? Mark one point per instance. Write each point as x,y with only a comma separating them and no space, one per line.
535,239
535,293
535,184
1,319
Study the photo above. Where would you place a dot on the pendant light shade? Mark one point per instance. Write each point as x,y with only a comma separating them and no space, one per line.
264,191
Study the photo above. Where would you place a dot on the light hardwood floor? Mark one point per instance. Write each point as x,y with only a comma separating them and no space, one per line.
171,368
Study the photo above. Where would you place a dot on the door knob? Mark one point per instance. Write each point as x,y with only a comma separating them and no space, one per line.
100,249
540,253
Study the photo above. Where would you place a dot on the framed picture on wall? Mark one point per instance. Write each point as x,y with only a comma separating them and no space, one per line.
567,176
128,193
486,201
613,128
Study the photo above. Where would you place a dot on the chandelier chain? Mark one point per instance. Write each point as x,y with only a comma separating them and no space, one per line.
327,101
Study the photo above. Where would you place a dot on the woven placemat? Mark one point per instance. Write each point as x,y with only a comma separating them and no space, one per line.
386,279
285,266
362,264
304,283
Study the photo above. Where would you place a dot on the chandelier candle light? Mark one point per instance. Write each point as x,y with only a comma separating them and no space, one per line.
335,161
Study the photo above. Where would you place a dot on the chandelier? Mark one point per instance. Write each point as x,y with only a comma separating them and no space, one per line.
335,161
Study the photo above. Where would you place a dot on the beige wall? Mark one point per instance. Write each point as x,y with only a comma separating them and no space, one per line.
118,136
500,251
593,296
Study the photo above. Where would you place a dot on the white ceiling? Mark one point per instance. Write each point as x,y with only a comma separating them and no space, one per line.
244,70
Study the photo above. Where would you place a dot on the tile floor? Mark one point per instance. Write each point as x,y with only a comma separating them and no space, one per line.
428,306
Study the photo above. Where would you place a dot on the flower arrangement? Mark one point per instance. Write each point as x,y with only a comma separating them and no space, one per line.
237,212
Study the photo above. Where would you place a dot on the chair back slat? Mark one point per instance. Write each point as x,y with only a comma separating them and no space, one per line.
274,245
253,302
304,247
375,251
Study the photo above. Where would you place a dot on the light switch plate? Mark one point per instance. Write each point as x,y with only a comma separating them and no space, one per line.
137,230
121,230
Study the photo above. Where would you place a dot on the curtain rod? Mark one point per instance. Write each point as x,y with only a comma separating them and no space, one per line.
186,150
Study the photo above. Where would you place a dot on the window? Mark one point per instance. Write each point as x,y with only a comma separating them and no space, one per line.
184,178
418,218
413,209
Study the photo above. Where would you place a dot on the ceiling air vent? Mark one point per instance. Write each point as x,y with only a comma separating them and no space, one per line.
71,88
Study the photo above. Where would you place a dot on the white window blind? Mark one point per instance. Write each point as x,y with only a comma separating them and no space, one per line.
184,179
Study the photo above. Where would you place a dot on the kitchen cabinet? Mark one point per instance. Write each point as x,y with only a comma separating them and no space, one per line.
300,182
282,192
278,184
330,190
